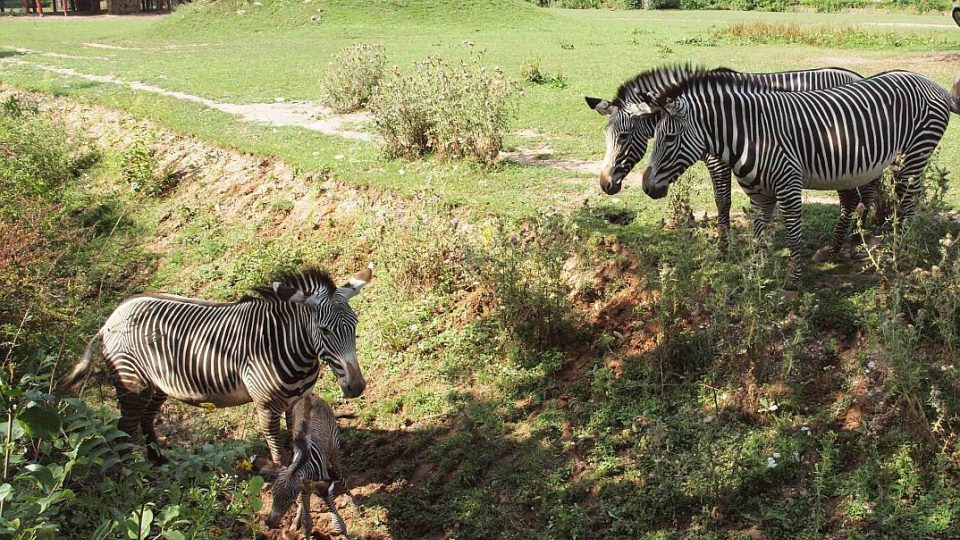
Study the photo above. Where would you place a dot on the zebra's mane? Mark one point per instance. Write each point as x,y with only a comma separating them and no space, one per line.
659,79
309,281
728,78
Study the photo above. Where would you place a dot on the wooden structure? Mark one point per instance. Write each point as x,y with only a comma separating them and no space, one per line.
116,7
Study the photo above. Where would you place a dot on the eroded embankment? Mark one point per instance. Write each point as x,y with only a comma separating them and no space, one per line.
245,202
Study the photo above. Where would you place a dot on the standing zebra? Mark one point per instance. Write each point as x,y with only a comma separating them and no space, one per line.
779,143
632,124
265,348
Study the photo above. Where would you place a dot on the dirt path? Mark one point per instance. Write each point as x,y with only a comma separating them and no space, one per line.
303,114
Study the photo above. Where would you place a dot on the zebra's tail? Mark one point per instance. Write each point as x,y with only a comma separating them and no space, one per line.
955,95
81,371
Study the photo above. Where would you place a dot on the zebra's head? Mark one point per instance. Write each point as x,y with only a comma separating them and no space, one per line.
335,328
628,130
679,144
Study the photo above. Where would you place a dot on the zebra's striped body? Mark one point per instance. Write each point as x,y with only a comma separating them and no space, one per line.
779,143
632,124
315,467
266,349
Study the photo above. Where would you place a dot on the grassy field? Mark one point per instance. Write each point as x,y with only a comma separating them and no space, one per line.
213,50
543,361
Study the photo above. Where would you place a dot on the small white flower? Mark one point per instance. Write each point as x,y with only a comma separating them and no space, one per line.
339,157
872,365
771,463
776,455
401,172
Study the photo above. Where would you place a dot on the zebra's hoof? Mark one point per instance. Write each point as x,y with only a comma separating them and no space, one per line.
824,254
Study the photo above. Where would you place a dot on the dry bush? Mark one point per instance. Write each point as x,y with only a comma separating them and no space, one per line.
455,110
352,77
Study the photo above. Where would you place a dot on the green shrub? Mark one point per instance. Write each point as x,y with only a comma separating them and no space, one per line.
141,171
352,77
452,110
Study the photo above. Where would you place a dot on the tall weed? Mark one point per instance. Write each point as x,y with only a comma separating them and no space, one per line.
454,110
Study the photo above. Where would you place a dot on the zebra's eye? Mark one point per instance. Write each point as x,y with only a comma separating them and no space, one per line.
325,331
669,137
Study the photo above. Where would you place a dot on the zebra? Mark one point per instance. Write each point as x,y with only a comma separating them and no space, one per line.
955,12
632,123
265,348
315,468
779,143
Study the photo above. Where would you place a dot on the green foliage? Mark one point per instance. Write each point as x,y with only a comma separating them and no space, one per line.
141,171
452,110
352,77
532,73
822,36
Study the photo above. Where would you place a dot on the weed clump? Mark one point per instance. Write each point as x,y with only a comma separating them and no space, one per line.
532,73
454,110
764,33
352,77
140,169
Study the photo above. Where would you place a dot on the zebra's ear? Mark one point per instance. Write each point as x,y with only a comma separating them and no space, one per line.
288,293
602,106
352,287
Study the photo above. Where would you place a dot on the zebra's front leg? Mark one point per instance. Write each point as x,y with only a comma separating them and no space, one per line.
761,206
720,177
269,421
791,205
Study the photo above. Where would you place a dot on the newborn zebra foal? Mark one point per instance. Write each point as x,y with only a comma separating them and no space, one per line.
315,467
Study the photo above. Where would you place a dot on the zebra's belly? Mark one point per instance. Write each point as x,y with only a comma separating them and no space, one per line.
236,396
839,183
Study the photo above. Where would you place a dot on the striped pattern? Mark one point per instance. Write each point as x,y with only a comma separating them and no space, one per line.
632,124
266,348
315,467
780,143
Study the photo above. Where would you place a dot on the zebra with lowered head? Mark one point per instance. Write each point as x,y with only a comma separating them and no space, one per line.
780,143
266,348
632,123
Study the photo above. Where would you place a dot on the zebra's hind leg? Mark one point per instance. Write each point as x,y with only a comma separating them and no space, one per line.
133,401
269,421
850,199
147,426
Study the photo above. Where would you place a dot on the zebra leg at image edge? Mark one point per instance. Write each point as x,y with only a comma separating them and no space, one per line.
269,421
146,426
720,177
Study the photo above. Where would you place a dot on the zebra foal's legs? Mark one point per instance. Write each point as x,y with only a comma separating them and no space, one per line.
762,207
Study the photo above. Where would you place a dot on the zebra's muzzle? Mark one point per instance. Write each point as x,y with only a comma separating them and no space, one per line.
653,190
612,183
